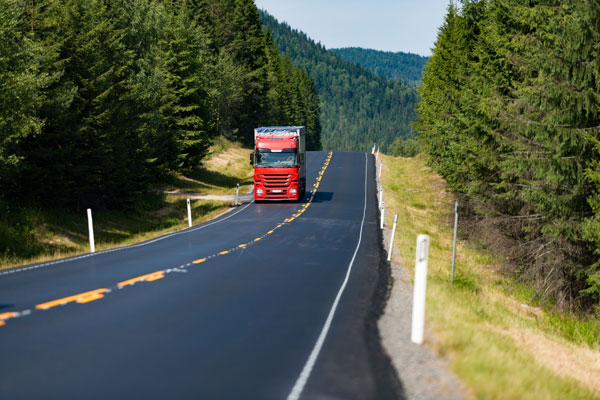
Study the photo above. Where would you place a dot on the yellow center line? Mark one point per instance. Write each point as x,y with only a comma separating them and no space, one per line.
199,261
7,315
224,252
148,278
79,298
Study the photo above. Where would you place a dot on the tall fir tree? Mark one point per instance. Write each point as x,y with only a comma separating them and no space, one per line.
185,130
22,80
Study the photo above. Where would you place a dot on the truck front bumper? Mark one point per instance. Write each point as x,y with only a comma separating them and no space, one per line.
276,193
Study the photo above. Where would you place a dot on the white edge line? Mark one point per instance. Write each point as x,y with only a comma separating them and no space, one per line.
310,363
74,258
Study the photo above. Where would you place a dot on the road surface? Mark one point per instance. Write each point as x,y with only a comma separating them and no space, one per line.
269,301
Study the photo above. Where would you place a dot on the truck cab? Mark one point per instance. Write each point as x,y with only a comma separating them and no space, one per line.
279,160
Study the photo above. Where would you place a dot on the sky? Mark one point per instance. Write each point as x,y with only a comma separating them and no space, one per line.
410,26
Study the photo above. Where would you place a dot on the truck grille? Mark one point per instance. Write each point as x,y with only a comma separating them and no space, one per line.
276,180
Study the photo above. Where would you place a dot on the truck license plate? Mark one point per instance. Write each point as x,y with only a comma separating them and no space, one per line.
276,191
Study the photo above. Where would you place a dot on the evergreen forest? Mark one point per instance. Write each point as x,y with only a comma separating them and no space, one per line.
100,100
358,107
510,117
406,67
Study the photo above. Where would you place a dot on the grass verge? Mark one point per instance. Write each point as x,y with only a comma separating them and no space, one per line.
31,235
500,345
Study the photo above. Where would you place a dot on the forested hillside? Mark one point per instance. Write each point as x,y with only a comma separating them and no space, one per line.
510,117
406,67
358,108
101,99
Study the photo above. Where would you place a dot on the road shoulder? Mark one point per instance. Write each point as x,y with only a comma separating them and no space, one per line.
423,374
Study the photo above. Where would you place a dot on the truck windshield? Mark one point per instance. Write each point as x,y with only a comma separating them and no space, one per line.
265,158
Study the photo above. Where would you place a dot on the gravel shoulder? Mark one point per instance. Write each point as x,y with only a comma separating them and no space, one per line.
423,374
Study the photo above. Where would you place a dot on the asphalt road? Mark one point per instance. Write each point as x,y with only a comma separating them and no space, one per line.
269,301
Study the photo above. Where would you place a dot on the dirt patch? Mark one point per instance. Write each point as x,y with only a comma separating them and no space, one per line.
578,362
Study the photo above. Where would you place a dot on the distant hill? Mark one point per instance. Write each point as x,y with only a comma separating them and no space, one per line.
406,67
358,107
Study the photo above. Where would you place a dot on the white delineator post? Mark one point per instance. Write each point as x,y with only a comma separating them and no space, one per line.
91,230
392,238
237,191
373,149
189,208
418,311
380,196
382,215
380,168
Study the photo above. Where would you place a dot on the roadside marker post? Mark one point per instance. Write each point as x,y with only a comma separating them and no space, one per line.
392,238
237,191
373,149
382,215
380,196
418,311
454,243
380,168
91,230
189,209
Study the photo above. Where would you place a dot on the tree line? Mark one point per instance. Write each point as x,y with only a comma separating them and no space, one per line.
358,107
406,67
101,99
510,117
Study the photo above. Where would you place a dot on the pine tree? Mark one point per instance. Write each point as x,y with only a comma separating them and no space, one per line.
185,128
88,152
22,81
248,50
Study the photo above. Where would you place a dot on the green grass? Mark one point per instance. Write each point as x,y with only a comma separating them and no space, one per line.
30,235
501,341
576,329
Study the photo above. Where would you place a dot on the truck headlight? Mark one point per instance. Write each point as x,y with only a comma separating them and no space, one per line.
293,191
259,191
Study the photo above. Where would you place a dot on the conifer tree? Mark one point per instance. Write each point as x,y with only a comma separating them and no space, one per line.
185,130
248,50
22,81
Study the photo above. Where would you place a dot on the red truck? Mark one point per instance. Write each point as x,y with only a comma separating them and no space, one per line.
279,160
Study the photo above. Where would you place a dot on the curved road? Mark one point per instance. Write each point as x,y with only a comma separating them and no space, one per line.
269,301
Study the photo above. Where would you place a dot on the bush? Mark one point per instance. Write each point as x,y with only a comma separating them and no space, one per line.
408,147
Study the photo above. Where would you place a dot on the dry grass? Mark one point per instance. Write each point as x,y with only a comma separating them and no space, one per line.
563,358
482,323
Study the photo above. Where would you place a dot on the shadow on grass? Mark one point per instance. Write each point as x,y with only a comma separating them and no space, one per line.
52,233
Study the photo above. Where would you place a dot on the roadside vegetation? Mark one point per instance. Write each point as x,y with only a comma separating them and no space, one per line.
33,235
510,118
504,341
100,101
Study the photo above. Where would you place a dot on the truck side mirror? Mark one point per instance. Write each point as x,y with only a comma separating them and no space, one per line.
252,158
